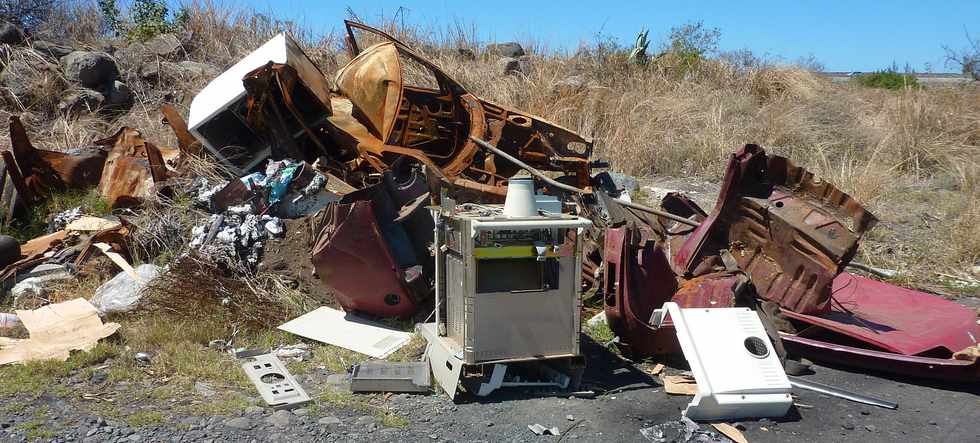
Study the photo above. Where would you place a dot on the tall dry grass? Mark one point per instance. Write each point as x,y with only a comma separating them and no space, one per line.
905,152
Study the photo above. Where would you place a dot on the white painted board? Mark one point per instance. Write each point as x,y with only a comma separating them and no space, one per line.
338,328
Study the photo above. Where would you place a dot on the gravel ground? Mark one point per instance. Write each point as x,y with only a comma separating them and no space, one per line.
629,400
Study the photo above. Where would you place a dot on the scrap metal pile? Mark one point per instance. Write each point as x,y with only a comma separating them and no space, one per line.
368,157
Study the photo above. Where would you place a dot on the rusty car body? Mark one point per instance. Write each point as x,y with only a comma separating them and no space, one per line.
793,254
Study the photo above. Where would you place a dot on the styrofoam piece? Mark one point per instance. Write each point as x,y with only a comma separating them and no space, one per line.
276,385
733,362
382,376
348,331
520,201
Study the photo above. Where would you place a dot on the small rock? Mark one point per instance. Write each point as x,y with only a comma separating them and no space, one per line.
142,358
52,50
465,54
975,270
507,66
84,101
848,425
205,71
280,419
365,420
11,34
569,417
301,412
31,79
165,45
98,377
119,95
507,49
240,423
204,389
329,421
865,412
135,438
871,428
91,69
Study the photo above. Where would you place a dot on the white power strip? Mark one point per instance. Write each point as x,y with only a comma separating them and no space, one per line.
733,362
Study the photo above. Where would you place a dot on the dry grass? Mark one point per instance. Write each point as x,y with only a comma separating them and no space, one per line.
896,151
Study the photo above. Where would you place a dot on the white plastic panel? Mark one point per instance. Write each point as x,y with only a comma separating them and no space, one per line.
737,370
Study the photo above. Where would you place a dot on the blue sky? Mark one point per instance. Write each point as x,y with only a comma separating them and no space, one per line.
844,35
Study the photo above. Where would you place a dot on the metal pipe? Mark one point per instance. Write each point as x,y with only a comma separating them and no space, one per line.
840,393
554,183
881,272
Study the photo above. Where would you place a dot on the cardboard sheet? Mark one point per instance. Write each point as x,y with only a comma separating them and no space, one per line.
679,384
118,259
55,331
338,328
88,223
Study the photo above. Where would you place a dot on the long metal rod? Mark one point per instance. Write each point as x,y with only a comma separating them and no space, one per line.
552,182
840,393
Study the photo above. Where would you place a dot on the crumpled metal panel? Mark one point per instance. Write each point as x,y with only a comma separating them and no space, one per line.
131,170
36,172
790,232
351,255
896,319
373,83
638,280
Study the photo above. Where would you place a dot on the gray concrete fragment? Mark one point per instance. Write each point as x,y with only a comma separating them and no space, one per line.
242,423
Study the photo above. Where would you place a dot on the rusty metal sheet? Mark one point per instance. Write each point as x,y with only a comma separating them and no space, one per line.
790,232
186,143
36,172
132,169
352,256
373,83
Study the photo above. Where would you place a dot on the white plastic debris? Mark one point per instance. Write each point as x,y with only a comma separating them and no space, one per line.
596,320
293,353
61,219
122,292
541,430
274,226
37,286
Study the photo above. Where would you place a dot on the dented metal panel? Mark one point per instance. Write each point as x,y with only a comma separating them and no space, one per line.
895,319
352,256
35,173
791,233
132,169
373,83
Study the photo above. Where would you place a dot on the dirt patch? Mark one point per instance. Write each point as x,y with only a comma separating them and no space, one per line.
289,257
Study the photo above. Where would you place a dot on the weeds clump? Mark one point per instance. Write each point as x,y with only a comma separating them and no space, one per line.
195,287
887,80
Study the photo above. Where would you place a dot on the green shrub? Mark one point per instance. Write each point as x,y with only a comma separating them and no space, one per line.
152,18
887,80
